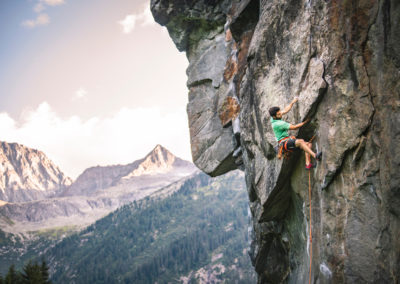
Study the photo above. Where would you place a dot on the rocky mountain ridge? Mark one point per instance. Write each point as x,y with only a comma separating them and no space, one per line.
341,59
27,174
97,192
157,162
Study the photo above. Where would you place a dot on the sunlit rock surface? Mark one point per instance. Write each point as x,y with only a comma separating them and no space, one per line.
342,59
27,174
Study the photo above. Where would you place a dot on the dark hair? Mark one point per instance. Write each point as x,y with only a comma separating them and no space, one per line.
274,110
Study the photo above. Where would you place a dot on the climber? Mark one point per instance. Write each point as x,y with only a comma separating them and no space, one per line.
229,116
289,143
236,130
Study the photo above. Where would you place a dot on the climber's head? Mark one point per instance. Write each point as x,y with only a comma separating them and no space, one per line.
275,112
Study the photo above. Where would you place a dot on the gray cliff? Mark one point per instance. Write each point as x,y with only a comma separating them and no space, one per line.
342,59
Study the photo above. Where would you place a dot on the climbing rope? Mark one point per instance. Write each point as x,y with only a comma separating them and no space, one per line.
309,198
310,233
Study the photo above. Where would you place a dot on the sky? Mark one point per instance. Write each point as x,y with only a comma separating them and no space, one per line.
90,82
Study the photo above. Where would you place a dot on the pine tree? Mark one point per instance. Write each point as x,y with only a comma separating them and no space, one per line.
32,274
12,276
1,279
45,272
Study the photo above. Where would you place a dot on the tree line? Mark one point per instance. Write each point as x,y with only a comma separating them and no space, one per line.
159,240
32,273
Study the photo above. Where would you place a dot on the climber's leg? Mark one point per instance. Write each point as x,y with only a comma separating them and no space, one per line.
309,165
236,132
300,143
237,139
308,158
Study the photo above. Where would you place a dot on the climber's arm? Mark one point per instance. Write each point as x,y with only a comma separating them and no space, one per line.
289,107
297,126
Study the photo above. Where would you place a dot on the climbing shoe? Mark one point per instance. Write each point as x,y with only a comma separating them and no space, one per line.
239,162
237,152
318,157
310,166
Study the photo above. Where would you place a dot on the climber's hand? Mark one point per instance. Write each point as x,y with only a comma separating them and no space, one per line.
289,107
297,126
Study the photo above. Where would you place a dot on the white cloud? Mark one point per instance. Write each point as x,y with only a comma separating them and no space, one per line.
81,93
41,20
75,144
6,123
39,7
147,16
52,2
128,24
144,18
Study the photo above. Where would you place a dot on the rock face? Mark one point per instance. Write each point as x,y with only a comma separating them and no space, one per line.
27,174
342,59
198,28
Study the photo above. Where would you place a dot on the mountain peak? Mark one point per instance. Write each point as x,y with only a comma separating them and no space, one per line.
161,154
159,160
28,174
159,147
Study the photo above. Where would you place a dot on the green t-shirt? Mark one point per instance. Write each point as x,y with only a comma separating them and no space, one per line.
280,128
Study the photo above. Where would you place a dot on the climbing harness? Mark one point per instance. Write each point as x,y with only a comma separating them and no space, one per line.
283,149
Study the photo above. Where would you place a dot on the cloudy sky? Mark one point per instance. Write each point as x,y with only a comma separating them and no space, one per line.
90,82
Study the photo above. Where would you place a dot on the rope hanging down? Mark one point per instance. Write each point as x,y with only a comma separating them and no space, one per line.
309,198
310,233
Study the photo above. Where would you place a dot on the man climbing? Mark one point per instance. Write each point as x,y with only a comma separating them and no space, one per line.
289,143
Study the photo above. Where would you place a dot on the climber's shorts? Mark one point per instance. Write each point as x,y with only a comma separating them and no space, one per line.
291,144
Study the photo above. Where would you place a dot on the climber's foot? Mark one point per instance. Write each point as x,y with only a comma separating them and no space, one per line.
239,163
237,152
310,166
227,124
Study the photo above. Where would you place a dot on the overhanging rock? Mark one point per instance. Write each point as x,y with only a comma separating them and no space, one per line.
342,59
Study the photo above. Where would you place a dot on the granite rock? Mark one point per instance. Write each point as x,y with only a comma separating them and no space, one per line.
342,60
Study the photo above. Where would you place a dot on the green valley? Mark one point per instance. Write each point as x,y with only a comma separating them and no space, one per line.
195,233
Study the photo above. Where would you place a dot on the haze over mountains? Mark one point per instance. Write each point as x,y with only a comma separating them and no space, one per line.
40,196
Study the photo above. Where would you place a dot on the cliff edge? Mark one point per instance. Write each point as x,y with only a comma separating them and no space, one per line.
342,59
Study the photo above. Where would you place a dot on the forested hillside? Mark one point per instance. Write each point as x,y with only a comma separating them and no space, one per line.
198,232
